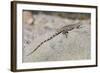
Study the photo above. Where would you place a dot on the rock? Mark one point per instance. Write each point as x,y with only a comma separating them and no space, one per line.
75,47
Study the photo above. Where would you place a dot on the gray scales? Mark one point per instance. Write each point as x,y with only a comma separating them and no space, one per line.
64,30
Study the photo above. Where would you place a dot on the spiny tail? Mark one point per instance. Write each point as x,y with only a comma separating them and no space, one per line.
44,42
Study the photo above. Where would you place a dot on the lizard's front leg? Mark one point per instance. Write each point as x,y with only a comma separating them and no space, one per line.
65,33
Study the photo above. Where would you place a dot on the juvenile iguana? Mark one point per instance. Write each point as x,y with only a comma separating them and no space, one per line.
64,30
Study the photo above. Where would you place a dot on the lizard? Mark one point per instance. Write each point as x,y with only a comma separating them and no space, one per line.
64,30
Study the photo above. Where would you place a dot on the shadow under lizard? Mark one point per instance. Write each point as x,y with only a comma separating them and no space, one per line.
64,30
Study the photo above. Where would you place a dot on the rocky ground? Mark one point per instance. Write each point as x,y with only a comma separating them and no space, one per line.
75,47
